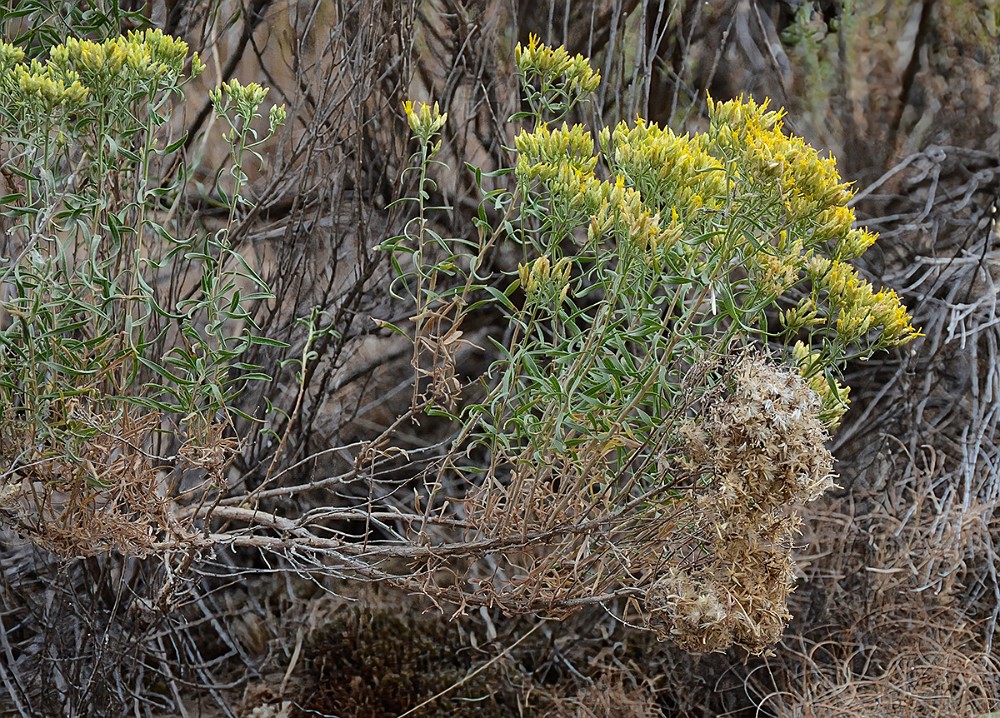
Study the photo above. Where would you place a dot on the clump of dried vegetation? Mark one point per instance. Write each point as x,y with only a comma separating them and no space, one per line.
590,435
375,661
765,450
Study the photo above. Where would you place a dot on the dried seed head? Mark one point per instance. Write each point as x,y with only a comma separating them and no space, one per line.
762,444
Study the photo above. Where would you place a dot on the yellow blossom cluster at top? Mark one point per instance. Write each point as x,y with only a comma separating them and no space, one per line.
859,308
669,170
749,139
745,156
142,56
542,275
766,208
554,67
10,55
41,88
720,173
618,211
424,120
777,266
77,69
563,159
543,152
246,99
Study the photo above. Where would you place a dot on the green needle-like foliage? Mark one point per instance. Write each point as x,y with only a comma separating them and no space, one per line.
114,370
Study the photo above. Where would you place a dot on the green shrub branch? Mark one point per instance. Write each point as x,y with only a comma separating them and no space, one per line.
677,333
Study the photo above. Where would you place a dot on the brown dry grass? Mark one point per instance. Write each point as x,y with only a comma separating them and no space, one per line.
105,499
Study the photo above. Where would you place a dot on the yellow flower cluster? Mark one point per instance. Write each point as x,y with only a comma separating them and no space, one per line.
564,160
618,211
143,56
833,395
745,134
853,244
804,315
41,88
744,165
246,98
554,67
670,171
744,192
542,276
425,120
10,55
858,307
776,268
542,152
77,69
744,113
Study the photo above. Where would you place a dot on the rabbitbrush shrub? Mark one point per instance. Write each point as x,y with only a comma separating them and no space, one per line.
118,375
663,394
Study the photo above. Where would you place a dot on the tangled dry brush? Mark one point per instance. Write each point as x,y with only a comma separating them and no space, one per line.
208,574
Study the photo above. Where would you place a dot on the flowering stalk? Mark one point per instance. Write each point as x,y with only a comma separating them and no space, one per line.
434,336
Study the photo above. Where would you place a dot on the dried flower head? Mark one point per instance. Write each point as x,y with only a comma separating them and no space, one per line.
764,446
